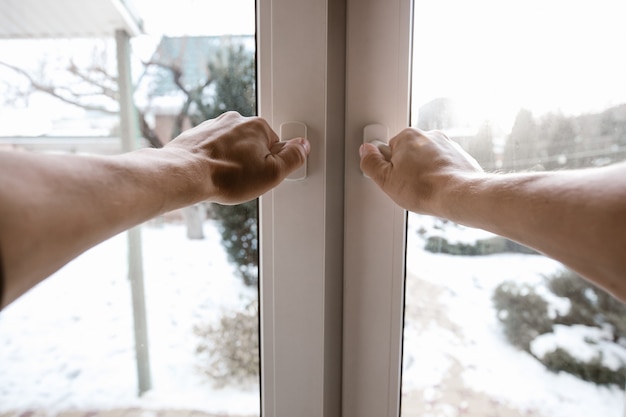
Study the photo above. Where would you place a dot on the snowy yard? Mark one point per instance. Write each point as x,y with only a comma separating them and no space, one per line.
68,344
454,342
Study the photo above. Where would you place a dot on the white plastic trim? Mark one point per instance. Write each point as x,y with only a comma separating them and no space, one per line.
377,81
301,55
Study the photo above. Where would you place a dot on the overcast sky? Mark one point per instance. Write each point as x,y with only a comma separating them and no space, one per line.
492,56
198,17
496,56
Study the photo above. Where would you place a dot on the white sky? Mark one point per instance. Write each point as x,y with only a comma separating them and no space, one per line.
192,17
495,56
198,17
492,57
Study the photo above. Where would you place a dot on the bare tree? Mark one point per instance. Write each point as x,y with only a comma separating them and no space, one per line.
92,87
212,75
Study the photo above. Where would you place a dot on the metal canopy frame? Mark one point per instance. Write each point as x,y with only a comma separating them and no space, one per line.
22,19
63,19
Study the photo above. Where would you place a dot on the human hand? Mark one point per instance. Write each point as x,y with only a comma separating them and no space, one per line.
238,158
418,169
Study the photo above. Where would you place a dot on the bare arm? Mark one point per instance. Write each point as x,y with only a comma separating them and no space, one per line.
54,207
577,217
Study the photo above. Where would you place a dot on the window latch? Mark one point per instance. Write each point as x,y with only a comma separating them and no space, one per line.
291,130
377,134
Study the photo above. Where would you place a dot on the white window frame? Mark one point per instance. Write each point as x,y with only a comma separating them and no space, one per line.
378,91
301,55
331,314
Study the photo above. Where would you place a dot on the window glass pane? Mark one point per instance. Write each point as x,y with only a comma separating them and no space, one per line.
69,344
492,328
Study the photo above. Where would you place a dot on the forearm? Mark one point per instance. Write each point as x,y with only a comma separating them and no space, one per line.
576,217
54,207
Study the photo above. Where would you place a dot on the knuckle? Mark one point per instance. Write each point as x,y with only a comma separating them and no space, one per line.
231,113
406,134
412,132
439,134
259,122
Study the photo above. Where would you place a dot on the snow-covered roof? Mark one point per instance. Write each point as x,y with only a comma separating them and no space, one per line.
67,18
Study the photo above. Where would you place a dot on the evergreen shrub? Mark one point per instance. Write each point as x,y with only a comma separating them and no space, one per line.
525,315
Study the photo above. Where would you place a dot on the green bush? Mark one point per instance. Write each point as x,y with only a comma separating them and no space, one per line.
239,229
593,371
438,244
523,313
591,305
497,244
524,316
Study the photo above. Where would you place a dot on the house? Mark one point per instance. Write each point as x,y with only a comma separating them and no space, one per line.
179,68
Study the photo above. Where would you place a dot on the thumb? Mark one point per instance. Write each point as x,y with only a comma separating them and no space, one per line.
291,154
374,163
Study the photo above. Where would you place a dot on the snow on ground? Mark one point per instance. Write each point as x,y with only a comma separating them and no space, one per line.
584,343
69,343
474,337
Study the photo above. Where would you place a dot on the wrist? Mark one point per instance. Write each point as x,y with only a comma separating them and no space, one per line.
456,193
175,177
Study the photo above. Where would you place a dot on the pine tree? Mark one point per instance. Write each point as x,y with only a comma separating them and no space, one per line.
521,150
233,72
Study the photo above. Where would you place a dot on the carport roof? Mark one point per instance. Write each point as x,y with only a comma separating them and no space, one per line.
67,18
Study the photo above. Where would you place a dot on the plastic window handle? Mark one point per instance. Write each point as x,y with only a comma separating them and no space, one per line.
377,134
291,130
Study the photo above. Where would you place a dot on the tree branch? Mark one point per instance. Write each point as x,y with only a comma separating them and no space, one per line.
51,90
177,73
105,90
149,133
